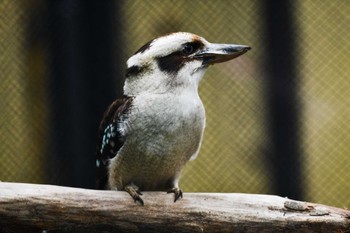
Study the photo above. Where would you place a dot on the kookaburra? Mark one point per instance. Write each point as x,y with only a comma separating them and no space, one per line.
146,137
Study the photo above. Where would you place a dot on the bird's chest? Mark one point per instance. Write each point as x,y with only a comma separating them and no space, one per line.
165,127
167,123
162,133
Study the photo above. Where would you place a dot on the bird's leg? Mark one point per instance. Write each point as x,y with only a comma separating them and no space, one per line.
177,191
134,192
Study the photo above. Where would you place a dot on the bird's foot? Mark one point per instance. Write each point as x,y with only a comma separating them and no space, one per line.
177,192
134,192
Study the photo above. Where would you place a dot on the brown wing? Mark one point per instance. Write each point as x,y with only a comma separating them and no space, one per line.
110,137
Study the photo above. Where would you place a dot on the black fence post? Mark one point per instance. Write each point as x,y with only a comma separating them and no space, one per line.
283,107
83,81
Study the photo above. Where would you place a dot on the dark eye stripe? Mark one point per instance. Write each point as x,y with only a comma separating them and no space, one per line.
133,71
196,45
172,63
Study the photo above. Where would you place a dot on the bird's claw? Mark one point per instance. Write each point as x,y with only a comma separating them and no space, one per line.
177,192
135,193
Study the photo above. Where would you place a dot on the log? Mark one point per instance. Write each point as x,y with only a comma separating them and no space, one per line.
48,208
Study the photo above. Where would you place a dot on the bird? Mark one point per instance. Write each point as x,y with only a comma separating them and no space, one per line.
146,137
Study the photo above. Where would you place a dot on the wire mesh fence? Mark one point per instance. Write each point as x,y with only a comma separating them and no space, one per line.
325,93
235,152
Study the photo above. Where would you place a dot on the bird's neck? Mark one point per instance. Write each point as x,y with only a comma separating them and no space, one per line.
161,83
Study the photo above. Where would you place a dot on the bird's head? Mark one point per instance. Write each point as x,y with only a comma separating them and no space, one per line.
175,61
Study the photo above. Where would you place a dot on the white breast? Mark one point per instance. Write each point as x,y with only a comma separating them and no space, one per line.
167,124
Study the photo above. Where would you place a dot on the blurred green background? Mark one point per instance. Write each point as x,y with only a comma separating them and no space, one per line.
234,154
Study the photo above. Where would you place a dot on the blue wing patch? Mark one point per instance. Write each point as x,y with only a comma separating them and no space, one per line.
111,137
108,137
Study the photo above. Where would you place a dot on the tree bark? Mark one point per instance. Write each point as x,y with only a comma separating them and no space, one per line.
47,208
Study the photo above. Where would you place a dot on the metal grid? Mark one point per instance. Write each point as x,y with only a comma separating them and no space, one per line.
22,96
233,153
325,93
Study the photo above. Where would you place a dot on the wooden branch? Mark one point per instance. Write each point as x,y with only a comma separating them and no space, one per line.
30,207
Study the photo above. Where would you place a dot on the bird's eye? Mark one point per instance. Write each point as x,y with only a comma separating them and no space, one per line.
188,49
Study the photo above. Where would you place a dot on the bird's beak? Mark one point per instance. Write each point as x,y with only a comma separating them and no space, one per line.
216,53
